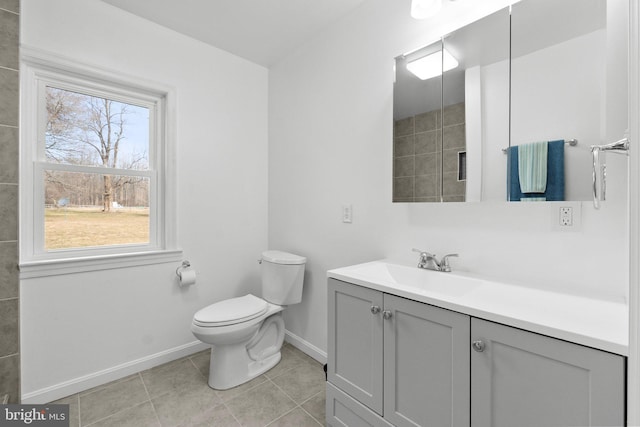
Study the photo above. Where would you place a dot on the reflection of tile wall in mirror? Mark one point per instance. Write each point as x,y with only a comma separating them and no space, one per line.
475,98
454,142
420,148
551,70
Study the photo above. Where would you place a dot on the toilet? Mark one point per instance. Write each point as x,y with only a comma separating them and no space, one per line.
247,332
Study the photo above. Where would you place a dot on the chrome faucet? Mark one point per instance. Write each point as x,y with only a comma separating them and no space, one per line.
430,261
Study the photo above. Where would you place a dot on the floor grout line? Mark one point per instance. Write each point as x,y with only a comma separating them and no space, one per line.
101,387
116,413
285,393
267,381
312,397
308,399
196,366
245,391
281,416
153,407
298,405
231,412
104,386
312,417
10,11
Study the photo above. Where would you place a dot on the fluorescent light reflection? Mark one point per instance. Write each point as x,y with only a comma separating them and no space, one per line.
432,65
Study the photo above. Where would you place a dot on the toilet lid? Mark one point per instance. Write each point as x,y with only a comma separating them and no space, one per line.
231,311
279,257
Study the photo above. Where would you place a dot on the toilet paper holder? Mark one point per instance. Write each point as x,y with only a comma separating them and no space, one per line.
185,264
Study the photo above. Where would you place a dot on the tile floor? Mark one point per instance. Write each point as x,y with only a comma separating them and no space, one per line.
177,394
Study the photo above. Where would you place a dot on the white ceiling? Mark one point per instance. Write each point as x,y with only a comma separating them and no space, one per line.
262,31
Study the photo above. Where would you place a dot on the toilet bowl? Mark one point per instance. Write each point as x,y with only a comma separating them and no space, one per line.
244,347
247,332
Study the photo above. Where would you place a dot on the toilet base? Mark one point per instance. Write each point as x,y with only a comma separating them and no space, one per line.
224,379
235,364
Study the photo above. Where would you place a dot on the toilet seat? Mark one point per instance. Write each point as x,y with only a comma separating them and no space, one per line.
231,311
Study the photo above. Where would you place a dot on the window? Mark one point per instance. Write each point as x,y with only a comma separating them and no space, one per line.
95,170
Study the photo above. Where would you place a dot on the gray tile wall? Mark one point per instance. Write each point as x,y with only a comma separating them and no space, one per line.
425,156
9,143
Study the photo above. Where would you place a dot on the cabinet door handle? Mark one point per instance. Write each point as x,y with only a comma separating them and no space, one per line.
478,346
387,314
375,309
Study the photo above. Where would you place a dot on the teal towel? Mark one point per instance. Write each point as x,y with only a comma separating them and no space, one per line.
532,167
555,174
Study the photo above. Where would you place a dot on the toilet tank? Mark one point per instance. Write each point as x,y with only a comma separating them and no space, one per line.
282,277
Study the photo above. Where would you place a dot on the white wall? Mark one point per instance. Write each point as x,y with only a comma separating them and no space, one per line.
330,133
82,329
329,130
575,69
487,105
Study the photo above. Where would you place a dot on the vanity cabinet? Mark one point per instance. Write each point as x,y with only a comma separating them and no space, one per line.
406,361
526,379
395,361
354,362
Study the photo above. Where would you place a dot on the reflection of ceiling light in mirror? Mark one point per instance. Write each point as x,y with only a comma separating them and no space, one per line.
421,9
432,65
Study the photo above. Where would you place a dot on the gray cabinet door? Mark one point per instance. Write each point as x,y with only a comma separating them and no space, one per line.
524,379
354,347
426,365
344,411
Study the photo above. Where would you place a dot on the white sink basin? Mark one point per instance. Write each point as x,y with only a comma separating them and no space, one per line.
397,275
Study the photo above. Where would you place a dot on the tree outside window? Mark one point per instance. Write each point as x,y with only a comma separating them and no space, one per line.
110,206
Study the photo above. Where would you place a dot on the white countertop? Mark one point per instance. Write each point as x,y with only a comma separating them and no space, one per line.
588,321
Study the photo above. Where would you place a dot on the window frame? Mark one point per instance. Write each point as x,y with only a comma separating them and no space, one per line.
39,70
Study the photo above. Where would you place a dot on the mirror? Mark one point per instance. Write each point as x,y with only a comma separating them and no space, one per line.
483,51
417,138
467,102
562,62
548,71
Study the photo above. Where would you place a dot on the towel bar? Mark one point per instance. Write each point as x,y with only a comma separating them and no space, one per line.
571,142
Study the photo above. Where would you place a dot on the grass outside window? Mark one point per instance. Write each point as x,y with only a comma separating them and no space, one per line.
91,227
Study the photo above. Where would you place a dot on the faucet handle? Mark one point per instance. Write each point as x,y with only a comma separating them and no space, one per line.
444,262
421,252
424,258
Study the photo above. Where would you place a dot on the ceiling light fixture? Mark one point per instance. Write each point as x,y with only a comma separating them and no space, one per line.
432,65
422,9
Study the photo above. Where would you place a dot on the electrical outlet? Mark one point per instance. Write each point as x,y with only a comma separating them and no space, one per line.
566,216
347,214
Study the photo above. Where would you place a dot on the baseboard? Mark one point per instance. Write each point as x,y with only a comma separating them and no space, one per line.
77,385
305,347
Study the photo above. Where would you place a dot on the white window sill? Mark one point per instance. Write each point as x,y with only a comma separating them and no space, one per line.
57,267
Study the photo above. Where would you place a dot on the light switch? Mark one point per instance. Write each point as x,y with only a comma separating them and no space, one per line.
347,214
